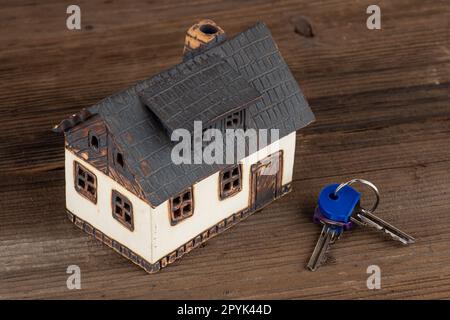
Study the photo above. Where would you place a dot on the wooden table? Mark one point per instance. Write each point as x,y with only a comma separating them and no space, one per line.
381,98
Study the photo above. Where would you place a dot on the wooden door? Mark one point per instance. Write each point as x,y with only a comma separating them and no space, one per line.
266,180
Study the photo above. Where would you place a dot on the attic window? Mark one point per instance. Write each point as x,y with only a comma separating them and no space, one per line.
181,206
230,181
93,141
122,210
85,182
119,159
234,120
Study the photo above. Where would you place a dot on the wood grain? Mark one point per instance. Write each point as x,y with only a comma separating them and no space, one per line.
381,99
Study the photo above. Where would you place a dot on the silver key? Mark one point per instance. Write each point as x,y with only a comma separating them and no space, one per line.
367,219
342,214
327,237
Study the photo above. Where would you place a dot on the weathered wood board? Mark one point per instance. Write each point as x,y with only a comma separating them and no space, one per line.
381,98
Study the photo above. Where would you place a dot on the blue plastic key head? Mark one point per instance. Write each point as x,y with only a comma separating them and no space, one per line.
339,207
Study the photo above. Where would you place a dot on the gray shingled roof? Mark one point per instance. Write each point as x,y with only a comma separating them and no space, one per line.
207,92
251,58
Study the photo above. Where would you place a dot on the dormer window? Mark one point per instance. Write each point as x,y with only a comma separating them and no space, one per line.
235,120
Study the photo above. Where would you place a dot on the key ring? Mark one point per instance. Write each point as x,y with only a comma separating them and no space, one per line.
367,183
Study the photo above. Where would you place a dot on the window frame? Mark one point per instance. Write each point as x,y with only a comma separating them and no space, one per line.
180,206
121,218
224,180
84,190
239,124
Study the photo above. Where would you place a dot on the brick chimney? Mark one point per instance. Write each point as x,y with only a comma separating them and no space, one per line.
202,35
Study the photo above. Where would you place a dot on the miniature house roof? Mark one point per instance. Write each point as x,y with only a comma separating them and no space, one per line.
209,90
246,71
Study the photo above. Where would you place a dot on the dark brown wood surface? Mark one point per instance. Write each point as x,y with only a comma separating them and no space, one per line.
381,98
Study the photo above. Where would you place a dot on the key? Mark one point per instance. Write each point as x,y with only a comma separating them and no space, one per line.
338,210
367,219
327,237
334,212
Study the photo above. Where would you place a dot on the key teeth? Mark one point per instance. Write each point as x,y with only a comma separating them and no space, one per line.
324,258
328,236
388,230
404,240
320,263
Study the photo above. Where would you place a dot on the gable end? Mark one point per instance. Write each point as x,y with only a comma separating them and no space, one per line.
91,141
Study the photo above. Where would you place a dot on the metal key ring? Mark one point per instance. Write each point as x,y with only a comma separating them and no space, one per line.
367,183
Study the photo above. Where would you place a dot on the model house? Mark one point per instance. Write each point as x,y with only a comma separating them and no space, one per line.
122,185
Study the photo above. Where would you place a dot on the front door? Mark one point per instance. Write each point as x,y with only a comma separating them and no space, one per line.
266,180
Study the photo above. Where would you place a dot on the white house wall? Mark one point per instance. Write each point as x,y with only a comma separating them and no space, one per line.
208,208
100,215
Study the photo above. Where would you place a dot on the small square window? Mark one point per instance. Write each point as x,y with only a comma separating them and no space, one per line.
85,182
230,181
122,210
181,206
235,120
